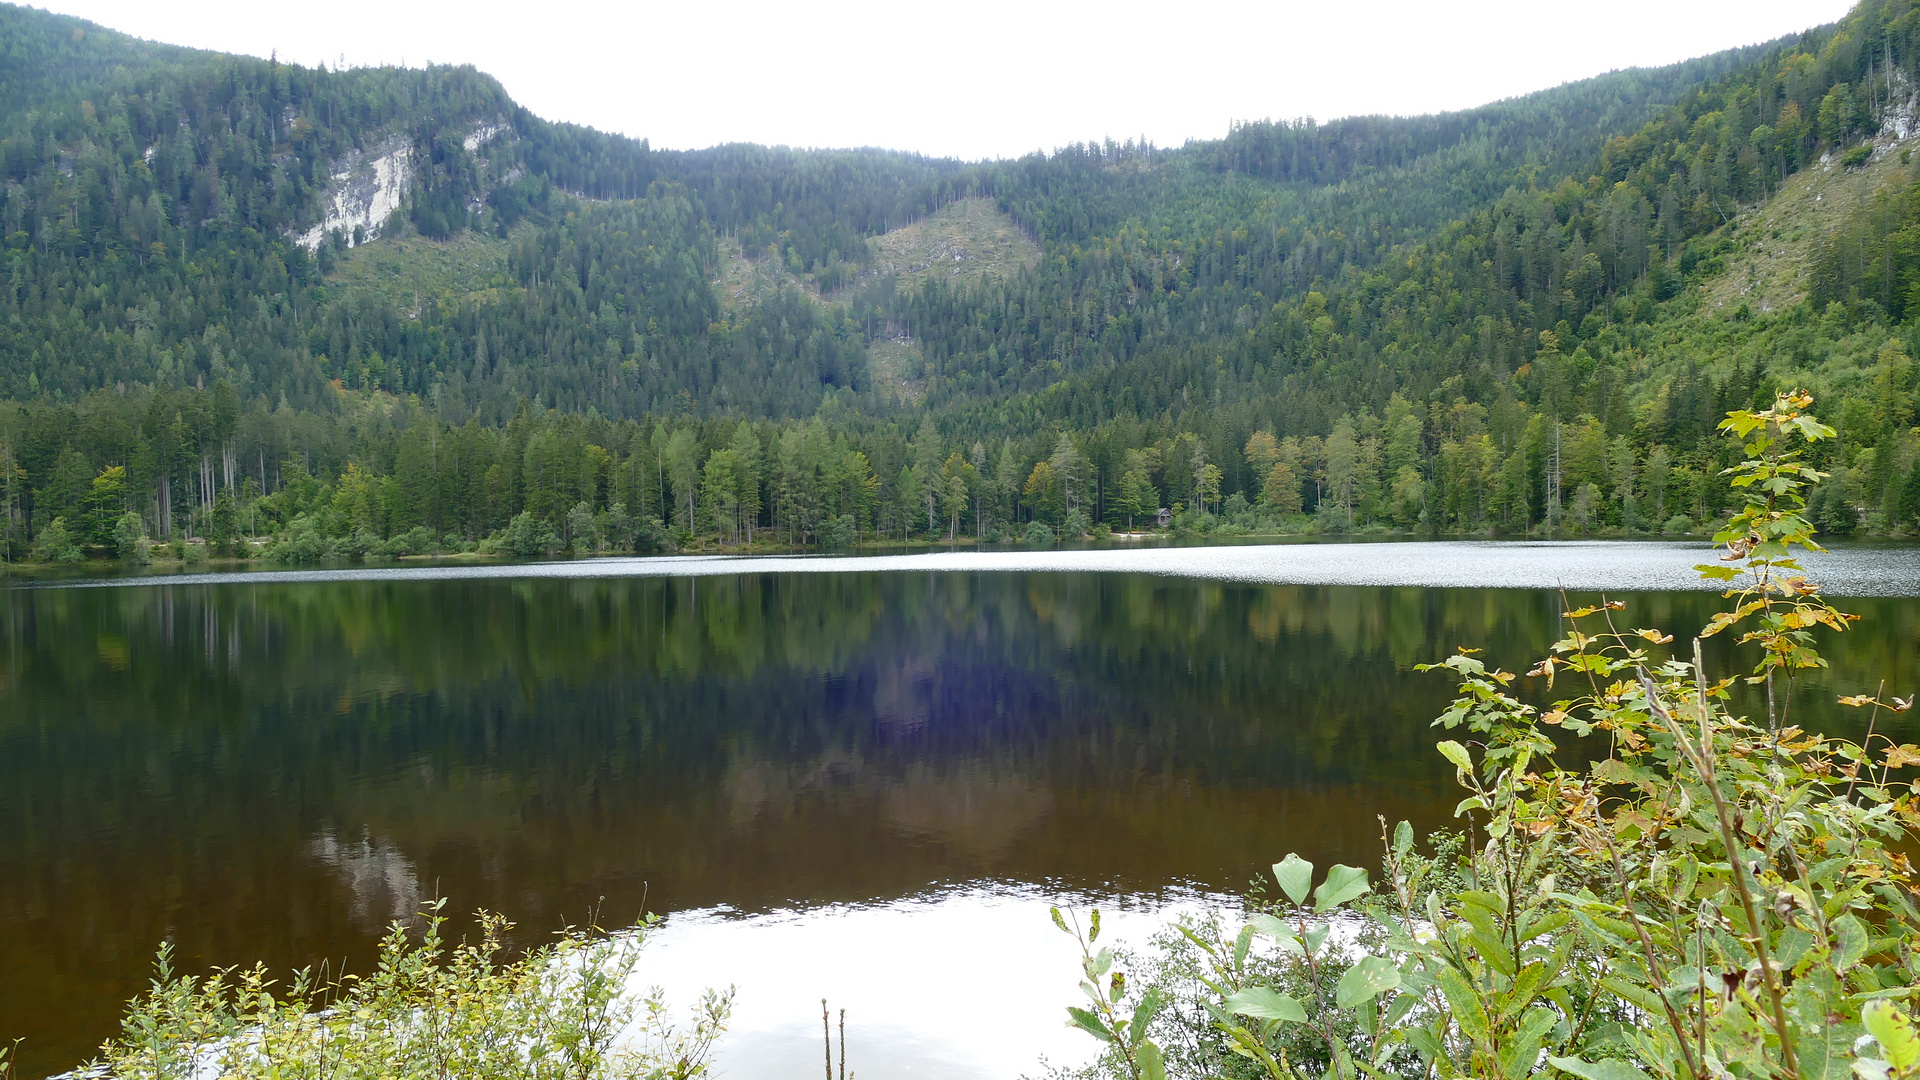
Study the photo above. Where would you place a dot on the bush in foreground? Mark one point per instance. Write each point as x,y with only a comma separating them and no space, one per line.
1715,897
427,1009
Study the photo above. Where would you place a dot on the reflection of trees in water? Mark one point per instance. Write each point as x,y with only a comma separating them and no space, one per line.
271,771
974,810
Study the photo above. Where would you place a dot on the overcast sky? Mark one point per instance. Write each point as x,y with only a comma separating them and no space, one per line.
992,78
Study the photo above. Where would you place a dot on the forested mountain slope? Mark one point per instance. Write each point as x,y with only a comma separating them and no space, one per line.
1427,322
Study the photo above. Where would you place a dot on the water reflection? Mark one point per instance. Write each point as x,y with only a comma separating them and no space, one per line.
273,770
925,981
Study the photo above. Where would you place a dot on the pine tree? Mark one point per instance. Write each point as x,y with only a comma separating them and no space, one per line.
1910,500
745,447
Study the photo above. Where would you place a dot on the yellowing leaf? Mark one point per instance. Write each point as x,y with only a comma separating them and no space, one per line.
1893,1030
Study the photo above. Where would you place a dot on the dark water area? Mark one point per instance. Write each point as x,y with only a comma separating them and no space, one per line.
273,769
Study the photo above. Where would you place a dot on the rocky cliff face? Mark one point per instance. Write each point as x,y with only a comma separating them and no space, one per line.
368,186
366,189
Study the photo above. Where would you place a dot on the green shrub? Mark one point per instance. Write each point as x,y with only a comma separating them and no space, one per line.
301,544
837,533
527,536
130,539
425,1010
583,530
1716,897
418,540
361,543
1857,157
650,535
617,529
1075,526
1830,511
1037,533
56,545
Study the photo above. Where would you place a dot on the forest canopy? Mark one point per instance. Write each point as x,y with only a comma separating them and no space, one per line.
1496,320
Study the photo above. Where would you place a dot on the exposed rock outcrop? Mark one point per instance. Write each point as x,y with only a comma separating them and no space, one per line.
367,188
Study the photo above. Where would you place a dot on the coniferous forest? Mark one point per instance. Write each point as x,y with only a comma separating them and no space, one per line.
253,308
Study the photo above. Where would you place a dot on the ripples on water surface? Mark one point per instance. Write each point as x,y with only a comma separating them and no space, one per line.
1589,565
841,777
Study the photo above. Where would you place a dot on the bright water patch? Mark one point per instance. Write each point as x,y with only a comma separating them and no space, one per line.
968,984
1579,566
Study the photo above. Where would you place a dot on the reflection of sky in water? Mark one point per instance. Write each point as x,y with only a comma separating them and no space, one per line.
970,984
1644,566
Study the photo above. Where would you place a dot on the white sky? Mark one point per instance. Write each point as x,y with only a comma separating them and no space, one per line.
993,78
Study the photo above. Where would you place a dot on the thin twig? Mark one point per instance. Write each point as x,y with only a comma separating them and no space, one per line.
1866,744
1757,937
1646,943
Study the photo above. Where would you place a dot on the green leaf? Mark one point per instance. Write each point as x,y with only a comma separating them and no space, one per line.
1150,1004
1317,937
1093,934
1428,1044
1263,1004
1467,1010
1089,1023
1366,980
1402,1005
1853,942
1646,999
1893,1030
1060,920
1457,754
1402,839
1269,926
1153,1066
1242,945
1604,1069
1295,876
1343,884
1518,1055
1546,924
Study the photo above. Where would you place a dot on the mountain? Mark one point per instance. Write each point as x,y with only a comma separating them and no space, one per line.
1514,317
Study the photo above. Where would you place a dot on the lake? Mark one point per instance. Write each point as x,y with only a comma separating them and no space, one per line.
837,777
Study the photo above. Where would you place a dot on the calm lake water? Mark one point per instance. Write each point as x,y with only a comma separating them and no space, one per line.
837,777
